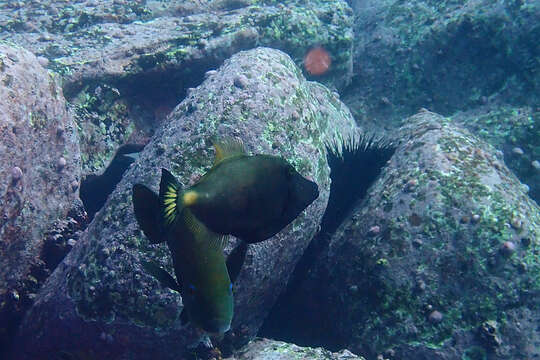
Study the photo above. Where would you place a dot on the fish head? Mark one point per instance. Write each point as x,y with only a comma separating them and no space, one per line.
210,309
301,193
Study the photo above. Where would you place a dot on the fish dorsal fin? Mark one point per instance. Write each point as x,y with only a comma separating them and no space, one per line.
227,148
201,232
169,189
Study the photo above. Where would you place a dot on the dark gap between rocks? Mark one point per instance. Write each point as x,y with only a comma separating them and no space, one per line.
300,317
95,189
150,97
58,241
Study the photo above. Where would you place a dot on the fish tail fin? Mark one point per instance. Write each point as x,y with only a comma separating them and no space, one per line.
146,208
169,192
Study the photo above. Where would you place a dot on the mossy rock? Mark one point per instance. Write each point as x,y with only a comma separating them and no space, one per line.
102,295
445,241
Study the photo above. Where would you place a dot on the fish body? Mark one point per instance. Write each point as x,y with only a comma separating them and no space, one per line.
199,263
250,197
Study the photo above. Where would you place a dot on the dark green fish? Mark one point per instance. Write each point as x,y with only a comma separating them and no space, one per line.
250,197
198,260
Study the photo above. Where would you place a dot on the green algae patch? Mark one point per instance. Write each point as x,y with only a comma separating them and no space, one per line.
516,130
103,121
105,288
419,53
474,353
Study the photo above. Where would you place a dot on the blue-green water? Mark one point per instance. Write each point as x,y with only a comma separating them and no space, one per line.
417,120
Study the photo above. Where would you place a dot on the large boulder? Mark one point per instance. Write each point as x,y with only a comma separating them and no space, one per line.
421,53
89,39
40,163
440,261
514,130
126,64
101,300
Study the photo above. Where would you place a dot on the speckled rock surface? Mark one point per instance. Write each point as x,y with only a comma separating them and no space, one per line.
99,298
126,64
265,349
40,167
514,130
89,39
440,261
422,53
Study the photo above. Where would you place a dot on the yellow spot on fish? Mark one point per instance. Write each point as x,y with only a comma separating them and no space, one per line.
189,198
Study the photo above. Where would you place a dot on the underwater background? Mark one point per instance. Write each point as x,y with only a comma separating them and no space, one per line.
418,120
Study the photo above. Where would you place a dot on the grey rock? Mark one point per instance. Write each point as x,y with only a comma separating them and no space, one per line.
426,236
145,54
265,349
510,128
101,287
423,54
33,191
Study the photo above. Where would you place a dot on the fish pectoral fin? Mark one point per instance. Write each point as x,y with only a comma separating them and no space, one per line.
201,232
228,147
161,275
146,208
236,259
169,189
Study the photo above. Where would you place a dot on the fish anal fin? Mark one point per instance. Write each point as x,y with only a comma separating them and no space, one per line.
161,275
146,208
220,240
236,259
184,317
228,147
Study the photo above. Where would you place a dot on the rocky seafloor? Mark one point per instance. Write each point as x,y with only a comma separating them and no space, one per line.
439,259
